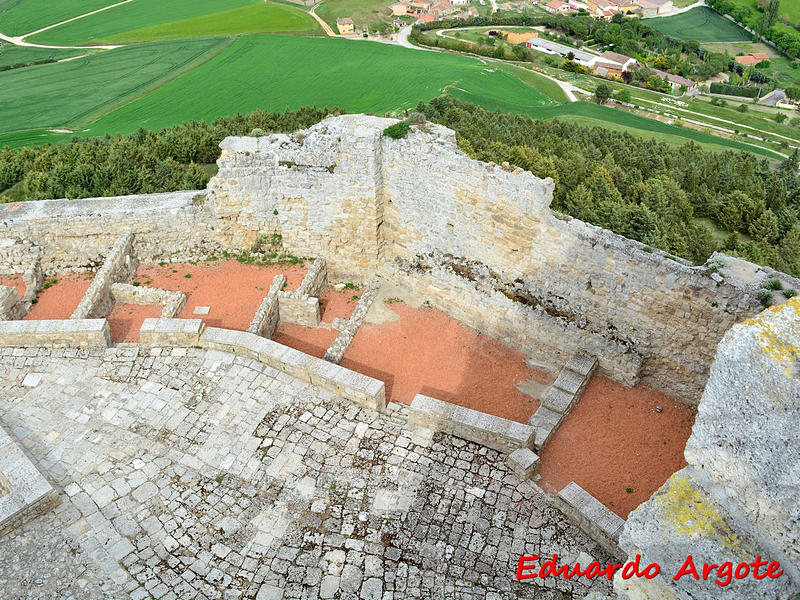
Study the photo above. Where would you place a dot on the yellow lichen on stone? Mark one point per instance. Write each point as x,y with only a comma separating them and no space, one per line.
776,329
692,515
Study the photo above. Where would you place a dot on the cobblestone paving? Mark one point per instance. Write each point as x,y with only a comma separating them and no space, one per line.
196,474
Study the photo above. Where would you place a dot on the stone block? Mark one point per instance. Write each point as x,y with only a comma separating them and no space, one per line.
524,463
171,332
558,400
545,422
570,382
582,364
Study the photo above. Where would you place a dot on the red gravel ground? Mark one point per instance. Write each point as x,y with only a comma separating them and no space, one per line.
233,290
427,352
125,320
62,296
14,281
316,340
615,440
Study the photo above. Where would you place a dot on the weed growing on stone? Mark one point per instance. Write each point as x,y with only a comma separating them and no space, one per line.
789,293
773,284
765,297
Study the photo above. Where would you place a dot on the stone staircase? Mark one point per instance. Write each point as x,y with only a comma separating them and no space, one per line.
560,397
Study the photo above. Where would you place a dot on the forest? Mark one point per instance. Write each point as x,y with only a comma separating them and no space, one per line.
684,200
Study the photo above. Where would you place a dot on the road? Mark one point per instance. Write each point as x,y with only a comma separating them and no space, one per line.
325,27
677,11
20,39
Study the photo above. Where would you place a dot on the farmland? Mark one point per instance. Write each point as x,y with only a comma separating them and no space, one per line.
701,24
18,17
137,14
66,95
363,12
359,76
257,18
13,55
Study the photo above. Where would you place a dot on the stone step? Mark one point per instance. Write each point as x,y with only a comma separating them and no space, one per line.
544,422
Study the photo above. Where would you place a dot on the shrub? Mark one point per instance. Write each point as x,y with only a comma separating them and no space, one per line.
742,108
780,118
765,297
773,284
257,132
789,293
397,131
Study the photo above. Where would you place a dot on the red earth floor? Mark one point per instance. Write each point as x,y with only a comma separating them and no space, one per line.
125,320
616,445
232,290
60,296
427,352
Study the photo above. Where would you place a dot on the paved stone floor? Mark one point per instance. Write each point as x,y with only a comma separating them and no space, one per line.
196,474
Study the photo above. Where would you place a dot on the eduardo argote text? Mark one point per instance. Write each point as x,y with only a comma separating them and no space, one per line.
528,567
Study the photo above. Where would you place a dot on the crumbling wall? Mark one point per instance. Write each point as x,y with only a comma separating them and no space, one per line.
739,496
119,266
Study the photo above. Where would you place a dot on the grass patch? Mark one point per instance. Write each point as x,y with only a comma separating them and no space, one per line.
363,12
701,24
13,55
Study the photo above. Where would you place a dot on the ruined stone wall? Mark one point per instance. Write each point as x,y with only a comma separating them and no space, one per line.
478,239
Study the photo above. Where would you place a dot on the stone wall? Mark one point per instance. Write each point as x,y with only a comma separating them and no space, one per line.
478,239
739,496
268,314
119,265
172,302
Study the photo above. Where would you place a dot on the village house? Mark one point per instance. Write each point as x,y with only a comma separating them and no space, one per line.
470,12
459,2
626,6
676,81
346,26
605,69
752,59
557,7
399,8
578,5
626,62
548,47
653,8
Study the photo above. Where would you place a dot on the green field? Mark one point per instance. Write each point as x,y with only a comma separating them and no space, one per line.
12,55
363,12
23,16
258,18
137,14
359,76
68,95
701,24
591,114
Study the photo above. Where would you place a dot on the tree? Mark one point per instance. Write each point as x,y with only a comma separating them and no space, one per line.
623,96
602,93
765,227
771,12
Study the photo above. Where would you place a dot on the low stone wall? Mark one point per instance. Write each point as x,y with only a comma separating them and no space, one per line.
494,432
298,308
59,333
9,297
268,314
586,511
340,345
29,493
118,266
172,302
355,387
316,279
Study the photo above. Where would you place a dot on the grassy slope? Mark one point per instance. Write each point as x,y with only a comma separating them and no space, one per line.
134,15
701,24
363,12
11,55
359,76
66,95
258,18
30,15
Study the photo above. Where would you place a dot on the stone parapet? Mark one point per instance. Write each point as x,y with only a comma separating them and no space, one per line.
172,302
485,429
59,333
586,511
